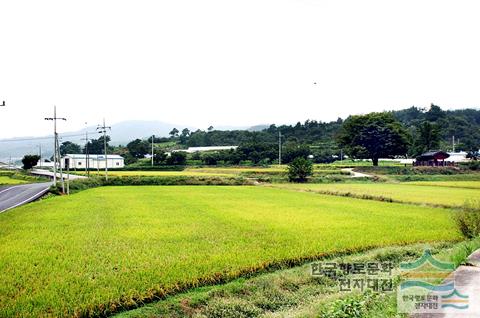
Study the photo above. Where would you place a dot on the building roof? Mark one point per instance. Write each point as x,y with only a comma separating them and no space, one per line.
210,148
94,157
433,155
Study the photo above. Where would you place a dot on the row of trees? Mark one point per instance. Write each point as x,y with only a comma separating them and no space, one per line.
408,132
427,129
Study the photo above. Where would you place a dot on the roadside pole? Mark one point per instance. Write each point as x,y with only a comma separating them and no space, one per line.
279,148
55,144
68,177
153,140
62,180
103,129
87,157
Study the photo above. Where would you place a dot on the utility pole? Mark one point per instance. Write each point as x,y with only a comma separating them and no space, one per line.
40,153
55,146
59,158
279,148
153,136
453,143
87,163
103,129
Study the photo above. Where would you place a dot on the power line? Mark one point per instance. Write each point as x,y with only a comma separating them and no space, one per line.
43,138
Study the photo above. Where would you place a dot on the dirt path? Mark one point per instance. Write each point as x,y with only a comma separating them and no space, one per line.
355,174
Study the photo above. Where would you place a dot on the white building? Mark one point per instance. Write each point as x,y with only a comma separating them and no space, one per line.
79,161
458,157
210,148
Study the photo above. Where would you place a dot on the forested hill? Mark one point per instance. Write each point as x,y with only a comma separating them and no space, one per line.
464,124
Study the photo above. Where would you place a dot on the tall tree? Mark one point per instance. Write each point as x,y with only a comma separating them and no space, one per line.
184,135
69,147
95,146
174,133
373,136
427,137
138,148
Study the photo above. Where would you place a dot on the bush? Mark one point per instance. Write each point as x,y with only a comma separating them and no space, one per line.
177,158
468,219
300,169
473,165
29,161
355,306
210,159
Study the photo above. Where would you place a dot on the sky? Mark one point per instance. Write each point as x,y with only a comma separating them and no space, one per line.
236,63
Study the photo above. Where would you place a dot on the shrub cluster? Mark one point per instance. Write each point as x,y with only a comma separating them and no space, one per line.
468,219
398,170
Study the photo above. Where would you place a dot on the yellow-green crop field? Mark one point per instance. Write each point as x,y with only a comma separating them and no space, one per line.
5,180
218,171
99,250
147,173
450,184
406,192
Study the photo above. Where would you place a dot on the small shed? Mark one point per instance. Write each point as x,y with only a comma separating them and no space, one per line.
433,159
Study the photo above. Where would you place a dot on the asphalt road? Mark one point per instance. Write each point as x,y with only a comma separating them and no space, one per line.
13,196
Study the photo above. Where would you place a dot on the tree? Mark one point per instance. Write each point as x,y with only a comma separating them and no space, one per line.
173,133
299,169
434,113
138,148
184,136
373,136
69,147
129,159
96,147
29,161
177,158
210,158
210,128
159,157
427,138
293,150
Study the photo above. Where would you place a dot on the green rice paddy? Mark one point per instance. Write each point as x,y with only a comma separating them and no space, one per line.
5,180
109,248
430,193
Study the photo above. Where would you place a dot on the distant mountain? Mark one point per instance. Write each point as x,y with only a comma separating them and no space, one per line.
121,133
258,127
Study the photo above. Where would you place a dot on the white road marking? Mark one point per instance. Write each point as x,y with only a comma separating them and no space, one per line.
38,194
5,190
